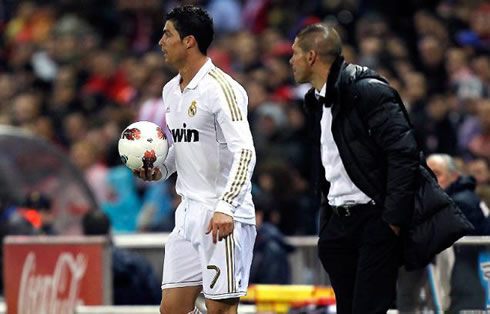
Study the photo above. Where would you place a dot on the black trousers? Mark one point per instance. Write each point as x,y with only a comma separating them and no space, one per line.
361,255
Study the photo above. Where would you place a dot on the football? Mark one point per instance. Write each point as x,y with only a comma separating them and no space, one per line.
143,144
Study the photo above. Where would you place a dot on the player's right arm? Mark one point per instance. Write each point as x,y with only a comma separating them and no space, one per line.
158,173
168,166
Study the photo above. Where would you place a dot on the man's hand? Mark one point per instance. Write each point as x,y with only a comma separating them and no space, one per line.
221,225
396,229
148,174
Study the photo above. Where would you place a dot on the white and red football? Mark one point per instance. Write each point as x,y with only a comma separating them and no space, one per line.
143,144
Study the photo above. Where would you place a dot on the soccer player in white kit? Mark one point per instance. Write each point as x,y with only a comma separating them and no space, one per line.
210,248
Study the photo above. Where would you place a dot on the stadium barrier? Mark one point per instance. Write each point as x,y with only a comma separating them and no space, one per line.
44,274
439,273
61,252
306,269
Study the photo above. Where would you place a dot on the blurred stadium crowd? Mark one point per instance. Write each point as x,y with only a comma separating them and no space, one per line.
76,73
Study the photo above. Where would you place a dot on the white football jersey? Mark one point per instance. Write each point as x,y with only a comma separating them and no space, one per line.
213,151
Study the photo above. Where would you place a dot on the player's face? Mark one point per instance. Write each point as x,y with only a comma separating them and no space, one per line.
171,44
301,68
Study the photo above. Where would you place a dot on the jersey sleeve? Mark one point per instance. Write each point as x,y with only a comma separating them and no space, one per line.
168,167
230,107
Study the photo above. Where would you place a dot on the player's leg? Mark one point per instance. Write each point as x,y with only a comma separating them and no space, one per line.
226,268
182,272
179,300
225,306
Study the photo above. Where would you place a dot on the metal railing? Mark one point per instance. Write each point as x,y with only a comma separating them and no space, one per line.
305,266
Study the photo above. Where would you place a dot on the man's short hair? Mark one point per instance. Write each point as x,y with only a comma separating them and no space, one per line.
192,20
96,222
321,38
448,161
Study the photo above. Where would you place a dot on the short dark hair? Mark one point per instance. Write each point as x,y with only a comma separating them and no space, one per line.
328,49
96,222
192,20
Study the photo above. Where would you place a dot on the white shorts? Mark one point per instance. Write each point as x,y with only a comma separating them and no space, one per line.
192,259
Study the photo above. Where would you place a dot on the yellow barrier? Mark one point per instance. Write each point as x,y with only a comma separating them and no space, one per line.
280,298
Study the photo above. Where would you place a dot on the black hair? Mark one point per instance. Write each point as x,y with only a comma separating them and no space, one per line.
192,20
328,47
95,222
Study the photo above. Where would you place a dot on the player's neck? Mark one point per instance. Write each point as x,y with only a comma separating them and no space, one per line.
188,70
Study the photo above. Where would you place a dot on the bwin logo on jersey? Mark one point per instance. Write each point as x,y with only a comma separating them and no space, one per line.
185,135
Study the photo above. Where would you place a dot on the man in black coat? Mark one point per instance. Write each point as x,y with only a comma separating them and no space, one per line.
364,163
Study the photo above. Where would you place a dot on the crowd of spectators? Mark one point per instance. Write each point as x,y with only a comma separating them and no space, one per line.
76,73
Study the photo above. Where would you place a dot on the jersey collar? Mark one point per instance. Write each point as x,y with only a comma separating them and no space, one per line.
200,74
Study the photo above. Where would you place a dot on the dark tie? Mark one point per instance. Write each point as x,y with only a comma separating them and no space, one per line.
323,101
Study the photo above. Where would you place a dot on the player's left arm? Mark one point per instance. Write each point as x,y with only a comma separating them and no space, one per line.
232,118
230,108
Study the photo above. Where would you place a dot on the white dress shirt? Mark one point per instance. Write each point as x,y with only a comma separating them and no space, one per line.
342,190
213,151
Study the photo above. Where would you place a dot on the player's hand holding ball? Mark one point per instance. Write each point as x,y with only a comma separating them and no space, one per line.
148,174
143,147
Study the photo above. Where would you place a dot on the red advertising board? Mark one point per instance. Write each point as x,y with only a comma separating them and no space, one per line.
52,275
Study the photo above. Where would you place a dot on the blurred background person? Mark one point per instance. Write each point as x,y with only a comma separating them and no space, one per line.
466,289
270,264
133,279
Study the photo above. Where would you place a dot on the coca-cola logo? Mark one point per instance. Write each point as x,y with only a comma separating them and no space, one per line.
55,293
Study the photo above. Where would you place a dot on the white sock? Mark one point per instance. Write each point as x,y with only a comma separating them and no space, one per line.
195,311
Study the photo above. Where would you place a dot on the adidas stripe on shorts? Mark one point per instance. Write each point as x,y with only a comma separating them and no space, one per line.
192,259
